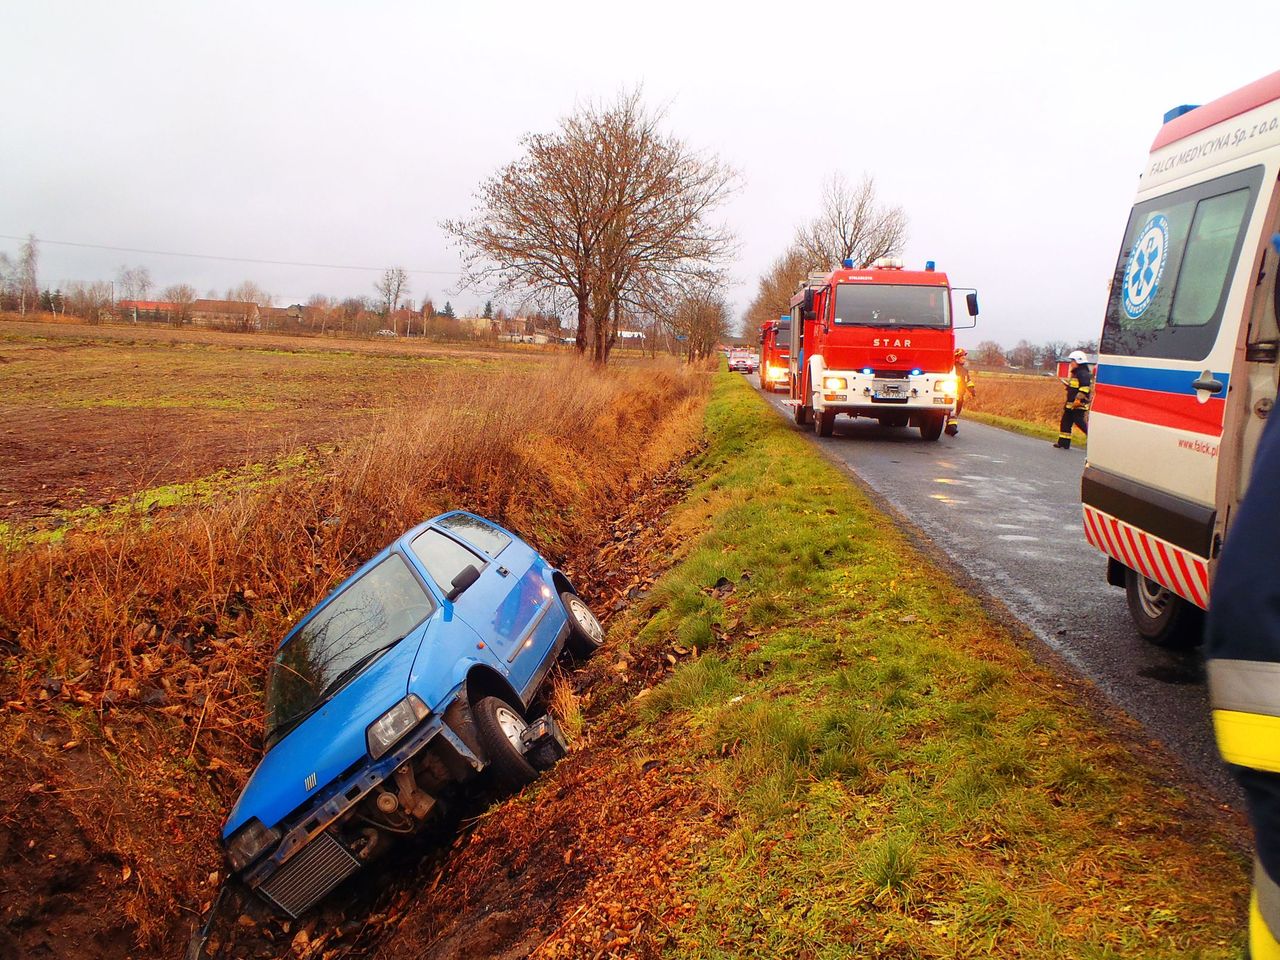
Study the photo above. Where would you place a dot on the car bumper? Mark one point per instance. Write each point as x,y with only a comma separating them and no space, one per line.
309,860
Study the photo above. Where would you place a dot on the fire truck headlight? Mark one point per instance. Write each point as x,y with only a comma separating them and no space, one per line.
835,383
946,385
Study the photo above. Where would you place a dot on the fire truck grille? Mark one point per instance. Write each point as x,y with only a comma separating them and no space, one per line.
321,866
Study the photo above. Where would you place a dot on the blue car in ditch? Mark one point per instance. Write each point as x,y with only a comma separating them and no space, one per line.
422,669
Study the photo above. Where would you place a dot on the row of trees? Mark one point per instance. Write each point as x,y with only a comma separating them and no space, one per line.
608,217
1026,355
851,224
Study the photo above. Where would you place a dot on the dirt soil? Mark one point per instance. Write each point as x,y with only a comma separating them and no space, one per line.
577,866
56,460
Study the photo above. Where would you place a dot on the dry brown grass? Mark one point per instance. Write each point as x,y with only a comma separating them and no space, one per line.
1031,399
134,659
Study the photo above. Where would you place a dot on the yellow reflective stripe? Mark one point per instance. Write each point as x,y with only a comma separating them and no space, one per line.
1262,942
1085,389
1073,382
1248,739
1064,436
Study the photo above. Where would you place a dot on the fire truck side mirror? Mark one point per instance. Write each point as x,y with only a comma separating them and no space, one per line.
971,301
808,315
808,304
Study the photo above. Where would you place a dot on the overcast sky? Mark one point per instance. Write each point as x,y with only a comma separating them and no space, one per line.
342,133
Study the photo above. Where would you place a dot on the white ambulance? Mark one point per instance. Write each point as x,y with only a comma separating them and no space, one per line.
1187,369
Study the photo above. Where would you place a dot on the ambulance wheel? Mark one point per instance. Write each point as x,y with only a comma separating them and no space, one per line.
931,426
824,423
1161,616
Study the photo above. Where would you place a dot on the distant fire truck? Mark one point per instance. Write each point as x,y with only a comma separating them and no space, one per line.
876,343
775,349
1187,369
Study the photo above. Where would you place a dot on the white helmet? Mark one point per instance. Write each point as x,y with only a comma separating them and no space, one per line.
1077,356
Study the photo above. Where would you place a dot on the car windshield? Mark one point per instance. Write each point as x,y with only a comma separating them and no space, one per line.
892,305
369,616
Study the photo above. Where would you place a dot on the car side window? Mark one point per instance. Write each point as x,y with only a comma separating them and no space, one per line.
477,533
443,558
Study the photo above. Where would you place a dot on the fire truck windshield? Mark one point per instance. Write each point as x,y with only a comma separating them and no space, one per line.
892,305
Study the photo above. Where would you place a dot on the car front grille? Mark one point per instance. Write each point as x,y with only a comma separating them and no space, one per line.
305,878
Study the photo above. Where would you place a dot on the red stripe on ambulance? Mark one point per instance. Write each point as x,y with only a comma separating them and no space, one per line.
1181,571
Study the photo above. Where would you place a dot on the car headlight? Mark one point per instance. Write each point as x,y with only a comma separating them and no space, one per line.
386,731
835,383
946,385
250,842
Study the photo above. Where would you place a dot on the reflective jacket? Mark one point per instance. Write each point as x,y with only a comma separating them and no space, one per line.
1243,662
1080,386
964,380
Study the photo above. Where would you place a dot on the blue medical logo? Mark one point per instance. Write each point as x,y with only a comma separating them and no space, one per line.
1146,266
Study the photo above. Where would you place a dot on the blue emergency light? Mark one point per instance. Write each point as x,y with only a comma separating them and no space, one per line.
848,264
929,266
867,371
1176,112
916,372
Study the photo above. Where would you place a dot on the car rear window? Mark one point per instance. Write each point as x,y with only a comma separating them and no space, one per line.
477,533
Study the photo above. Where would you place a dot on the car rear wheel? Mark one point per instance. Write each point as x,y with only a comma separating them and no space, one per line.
500,727
1161,616
585,633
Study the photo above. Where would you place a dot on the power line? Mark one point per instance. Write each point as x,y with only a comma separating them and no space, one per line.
210,256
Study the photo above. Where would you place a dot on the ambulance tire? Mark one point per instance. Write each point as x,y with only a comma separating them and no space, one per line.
824,423
931,426
1161,616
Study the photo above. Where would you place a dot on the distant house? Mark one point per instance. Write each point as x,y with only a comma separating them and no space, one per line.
634,335
478,326
226,314
280,318
153,311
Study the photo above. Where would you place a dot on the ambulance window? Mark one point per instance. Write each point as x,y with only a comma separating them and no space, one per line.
1207,261
1175,268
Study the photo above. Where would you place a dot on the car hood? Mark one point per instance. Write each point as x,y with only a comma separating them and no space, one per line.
328,742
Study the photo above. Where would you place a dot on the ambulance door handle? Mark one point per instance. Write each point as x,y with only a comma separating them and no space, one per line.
1207,383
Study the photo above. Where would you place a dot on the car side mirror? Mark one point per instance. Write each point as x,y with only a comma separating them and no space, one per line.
808,315
808,301
466,578
971,301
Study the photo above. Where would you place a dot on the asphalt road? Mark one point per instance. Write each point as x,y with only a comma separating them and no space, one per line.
1005,508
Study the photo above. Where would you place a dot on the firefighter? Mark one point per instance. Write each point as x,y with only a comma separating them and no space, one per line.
1242,653
964,389
1079,393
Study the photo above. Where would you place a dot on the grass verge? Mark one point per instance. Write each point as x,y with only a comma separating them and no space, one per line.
901,779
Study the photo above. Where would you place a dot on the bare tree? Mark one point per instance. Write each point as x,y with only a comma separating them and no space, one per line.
88,300
393,285
852,225
1023,355
181,295
701,320
249,292
135,282
28,274
773,295
989,354
608,210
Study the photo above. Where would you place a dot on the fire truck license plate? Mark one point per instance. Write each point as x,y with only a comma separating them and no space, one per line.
882,389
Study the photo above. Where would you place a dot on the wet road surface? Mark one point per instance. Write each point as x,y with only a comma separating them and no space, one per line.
1005,508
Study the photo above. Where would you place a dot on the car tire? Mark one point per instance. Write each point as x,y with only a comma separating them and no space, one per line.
1161,616
585,633
499,726
931,426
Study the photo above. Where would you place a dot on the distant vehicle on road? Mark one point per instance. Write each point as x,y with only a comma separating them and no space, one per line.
421,670
743,360
386,333
1187,366
876,343
775,345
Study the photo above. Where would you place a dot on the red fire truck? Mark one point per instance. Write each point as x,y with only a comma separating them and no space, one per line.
775,348
876,343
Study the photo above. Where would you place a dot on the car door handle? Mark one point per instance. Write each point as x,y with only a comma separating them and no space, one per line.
1207,382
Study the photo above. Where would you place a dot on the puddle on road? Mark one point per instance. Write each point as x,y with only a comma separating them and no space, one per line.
950,501
1016,536
1173,674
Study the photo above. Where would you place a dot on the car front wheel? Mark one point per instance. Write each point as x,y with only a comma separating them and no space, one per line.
585,633
501,728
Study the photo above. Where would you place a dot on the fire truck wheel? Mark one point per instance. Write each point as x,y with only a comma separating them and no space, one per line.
801,414
824,423
1161,616
931,426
